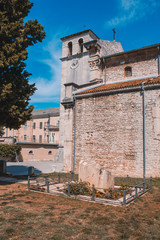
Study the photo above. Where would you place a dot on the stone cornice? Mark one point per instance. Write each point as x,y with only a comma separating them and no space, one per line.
78,55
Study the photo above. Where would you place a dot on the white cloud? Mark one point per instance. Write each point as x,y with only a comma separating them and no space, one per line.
48,90
131,11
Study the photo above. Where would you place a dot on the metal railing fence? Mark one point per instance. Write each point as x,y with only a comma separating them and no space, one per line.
120,195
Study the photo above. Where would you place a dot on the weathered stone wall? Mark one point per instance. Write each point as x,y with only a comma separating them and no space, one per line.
75,45
75,69
110,132
143,65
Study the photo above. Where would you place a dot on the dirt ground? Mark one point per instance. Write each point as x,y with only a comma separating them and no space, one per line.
32,215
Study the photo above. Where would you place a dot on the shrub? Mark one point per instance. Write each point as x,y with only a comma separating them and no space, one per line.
79,188
7,150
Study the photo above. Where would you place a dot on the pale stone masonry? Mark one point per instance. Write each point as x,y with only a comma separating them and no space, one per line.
105,124
78,72
109,131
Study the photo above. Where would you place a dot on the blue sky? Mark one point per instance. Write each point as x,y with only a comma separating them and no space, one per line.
137,24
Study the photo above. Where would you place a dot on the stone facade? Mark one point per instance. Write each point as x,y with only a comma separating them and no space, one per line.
108,127
109,131
142,64
79,70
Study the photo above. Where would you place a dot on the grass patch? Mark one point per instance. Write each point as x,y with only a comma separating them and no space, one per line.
32,215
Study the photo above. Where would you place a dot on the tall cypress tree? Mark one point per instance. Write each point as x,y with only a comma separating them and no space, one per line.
15,36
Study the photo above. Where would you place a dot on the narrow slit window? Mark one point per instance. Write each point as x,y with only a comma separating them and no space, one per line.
80,41
34,138
40,125
70,49
40,138
24,137
128,72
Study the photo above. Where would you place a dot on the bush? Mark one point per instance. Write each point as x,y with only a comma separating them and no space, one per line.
7,150
79,188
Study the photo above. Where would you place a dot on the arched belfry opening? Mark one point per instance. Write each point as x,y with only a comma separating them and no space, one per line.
70,49
80,41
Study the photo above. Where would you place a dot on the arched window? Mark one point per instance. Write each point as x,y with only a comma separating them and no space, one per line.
31,152
80,41
49,152
128,72
70,49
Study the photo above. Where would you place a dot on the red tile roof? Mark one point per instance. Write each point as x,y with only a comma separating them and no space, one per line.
122,85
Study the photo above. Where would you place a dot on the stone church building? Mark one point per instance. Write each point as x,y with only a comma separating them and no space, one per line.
110,106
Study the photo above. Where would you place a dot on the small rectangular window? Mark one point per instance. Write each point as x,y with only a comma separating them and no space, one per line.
25,125
40,125
34,138
128,72
40,138
24,137
34,125
47,138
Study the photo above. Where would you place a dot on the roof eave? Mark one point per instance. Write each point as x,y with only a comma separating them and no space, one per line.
118,90
79,33
131,51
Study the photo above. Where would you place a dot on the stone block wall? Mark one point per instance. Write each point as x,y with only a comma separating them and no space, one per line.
109,131
143,65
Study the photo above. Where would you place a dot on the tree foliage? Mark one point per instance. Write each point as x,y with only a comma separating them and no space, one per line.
16,36
9,150
1,131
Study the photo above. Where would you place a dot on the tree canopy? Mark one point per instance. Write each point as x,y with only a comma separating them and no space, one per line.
16,35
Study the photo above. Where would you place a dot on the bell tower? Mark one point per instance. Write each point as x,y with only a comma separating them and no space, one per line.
75,75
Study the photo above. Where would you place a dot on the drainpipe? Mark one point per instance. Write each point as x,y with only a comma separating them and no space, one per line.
144,132
158,61
74,134
105,72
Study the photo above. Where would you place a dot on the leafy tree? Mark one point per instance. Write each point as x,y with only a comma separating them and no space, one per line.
1,131
9,150
15,36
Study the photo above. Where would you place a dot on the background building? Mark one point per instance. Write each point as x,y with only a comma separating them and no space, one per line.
38,137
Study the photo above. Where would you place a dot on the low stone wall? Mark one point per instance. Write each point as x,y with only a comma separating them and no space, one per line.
37,152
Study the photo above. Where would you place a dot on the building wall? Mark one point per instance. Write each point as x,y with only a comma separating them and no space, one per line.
43,151
139,70
29,131
36,152
143,64
80,74
75,44
110,131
